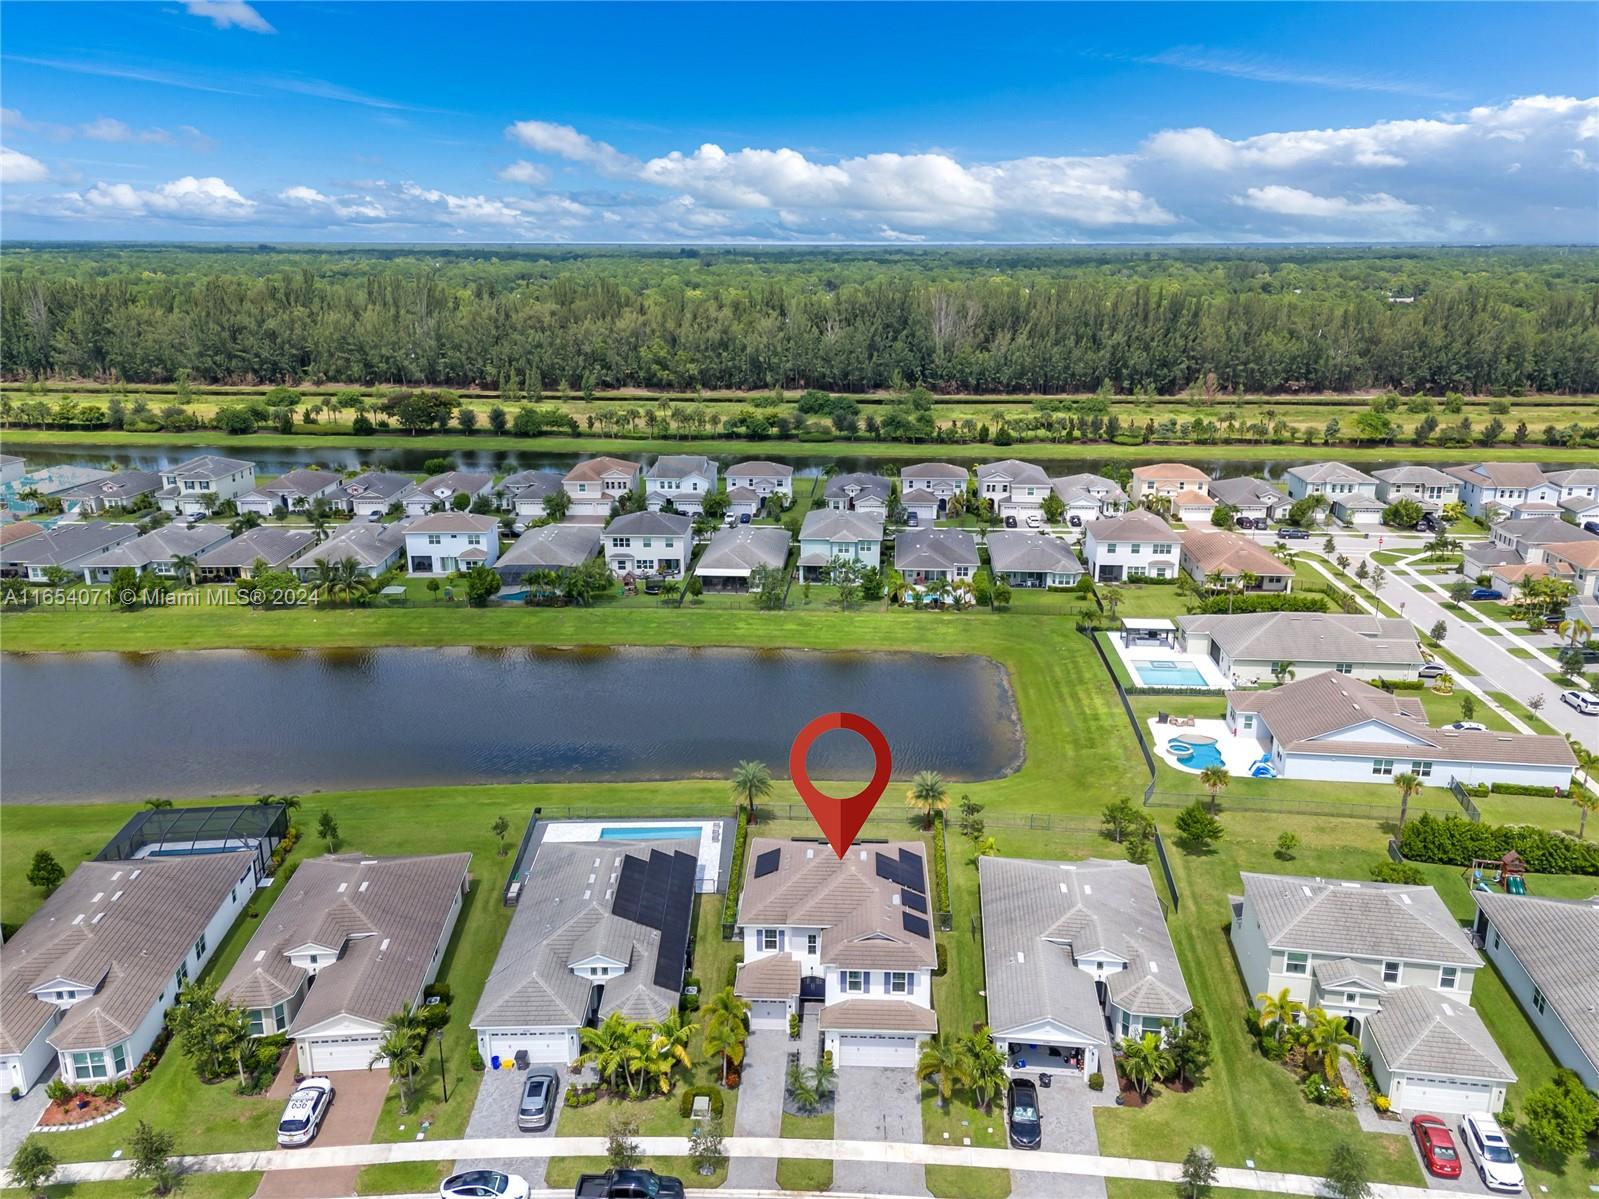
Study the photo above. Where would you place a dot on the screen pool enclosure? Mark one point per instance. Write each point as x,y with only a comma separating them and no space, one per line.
182,832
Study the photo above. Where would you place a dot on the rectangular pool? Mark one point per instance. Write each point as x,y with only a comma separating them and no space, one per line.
688,832
1170,674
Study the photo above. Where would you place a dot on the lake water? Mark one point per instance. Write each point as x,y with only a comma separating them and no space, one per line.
79,727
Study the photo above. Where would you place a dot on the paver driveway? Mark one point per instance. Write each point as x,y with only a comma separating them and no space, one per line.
760,1105
878,1105
1068,1119
494,1115
357,1101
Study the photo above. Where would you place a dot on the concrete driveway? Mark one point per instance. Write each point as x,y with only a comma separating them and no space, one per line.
1068,1118
878,1105
760,1105
357,1101
494,1115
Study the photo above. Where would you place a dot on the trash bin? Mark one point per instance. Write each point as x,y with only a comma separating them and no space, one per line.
494,1062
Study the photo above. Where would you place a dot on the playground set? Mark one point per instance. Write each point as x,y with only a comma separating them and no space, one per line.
1508,873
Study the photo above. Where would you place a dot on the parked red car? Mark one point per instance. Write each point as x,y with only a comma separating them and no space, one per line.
1438,1152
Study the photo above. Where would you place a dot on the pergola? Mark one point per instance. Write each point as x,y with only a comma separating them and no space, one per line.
1149,628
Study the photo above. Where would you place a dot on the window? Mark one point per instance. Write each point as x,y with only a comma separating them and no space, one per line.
1448,976
899,983
199,948
1421,770
90,1064
621,543
854,980
1382,766
768,939
257,1022
183,975
810,944
1538,1000
1137,548
1390,972
435,539
280,1017
1110,547
1159,549
474,539
1296,963
647,543
313,959
1345,668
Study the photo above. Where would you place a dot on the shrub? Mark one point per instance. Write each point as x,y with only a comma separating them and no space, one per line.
1453,841
940,869
943,962
1096,1081
685,1102
577,1096
1398,872
474,1059
1292,601
735,875
793,1026
1381,1103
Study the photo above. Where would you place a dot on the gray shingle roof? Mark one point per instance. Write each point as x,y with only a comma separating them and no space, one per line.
1582,476
591,469
935,470
370,545
114,488
1386,920
758,468
531,484
66,543
163,545
1329,472
869,485
1012,550
453,482
1421,1031
1309,636
124,927
824,524
1427,476
1069,487
376,484
1137,525
1557,943
934,549
681,466
274,546
741,550
1014,470
298,482
1245,491
553,547
650,524
1499,474
208,466
454,522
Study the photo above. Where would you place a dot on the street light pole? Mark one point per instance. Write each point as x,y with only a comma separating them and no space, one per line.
444,1082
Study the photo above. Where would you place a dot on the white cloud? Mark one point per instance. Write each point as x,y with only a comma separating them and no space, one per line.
208,199
348,208
227,14
17,167
524,172
1269,70
565,142
109,129
1295,201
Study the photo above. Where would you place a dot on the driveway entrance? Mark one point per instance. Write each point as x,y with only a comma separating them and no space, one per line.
878,1105
357,1102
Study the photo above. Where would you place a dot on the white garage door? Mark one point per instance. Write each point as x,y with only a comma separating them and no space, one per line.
873,1049
340,1053
1445,1096
768,1013
539,1046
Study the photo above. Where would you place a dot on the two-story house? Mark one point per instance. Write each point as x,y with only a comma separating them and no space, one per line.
197,486
596,483
1427,485
1089,496
1500,487
1069,948
858,493
827,537
925,556
439,493
1167,480
683,480
1013,488
294,491
374,493
649,543
1577,561
1130,546
350,942
940,481
853,934
524,492
1351,494
1393,962
445,542
761,477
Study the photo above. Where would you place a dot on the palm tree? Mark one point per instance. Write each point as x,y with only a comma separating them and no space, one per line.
945,1064
327,574
928,794
1583,797
399,1050
1575,631
1279,1010
751,781
1330,1042
1409,785
895,587
669,590
542,583
606,1047
1111,596
1145,1060
320,517
243,523
985,1067
1214,779
156,805
939,590
726,1027
185,565
672,1037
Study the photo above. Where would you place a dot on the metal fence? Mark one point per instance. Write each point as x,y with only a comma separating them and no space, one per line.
1463,798
1293,807
1165,869
513,881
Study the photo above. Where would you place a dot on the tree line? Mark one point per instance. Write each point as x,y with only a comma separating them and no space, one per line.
1036,321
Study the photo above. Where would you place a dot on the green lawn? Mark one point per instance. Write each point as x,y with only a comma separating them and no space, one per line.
806,1174
1528,717
195,1186
562,1172
401,1178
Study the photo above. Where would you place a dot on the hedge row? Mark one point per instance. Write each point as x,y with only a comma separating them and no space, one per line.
735,881
1291,601
1452,841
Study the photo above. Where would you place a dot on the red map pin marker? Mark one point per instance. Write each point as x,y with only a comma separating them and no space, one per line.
840,819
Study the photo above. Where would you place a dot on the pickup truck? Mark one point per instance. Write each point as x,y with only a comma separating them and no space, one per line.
628,1184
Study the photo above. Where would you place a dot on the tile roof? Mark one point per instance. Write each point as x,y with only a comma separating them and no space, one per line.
1011,550
1015,471
532,484
1557,943
1578,553
825,524
1331,916
553,547
65,543
1421,1031
741,550
121,927
593,469
377,484
1309,636
681,466
121,485
934,549
1499,474
1428,476
163,545
452,482
935,470
872,485
299,482
382,917
776,976
759,468
208,466
650,524
892,1015
1582,476
1169,470
1230,553
454,522
21,530
1329,472
366,544
1138,525
271,544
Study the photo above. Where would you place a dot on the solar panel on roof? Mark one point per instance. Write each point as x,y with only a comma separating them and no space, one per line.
915,924
912,873
888,868
767,862
675,913
912,900
629,889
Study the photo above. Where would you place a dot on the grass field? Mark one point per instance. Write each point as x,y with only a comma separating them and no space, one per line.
805,1174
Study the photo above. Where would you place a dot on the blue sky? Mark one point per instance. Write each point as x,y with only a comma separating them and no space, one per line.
217,119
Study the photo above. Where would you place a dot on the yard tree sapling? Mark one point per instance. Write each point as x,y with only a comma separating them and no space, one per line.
46,873
328,829
1199,1173
1348,1176
1198,827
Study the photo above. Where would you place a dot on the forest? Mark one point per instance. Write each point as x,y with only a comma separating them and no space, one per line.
1043,321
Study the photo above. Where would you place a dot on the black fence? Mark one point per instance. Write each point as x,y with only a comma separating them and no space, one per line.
514,880
1165,869
184,832
1463,798
1289,807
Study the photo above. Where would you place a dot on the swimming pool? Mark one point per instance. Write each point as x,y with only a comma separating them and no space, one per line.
684,832
1170,674
1196,754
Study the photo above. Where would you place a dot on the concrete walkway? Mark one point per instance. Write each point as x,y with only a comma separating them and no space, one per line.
838,1151
1366,1115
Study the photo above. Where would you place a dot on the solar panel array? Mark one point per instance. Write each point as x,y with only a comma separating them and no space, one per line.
916,925
767,862
659,893
906,870
912,900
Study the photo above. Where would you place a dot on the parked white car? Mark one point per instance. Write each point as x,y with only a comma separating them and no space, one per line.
303,1114
1585,703
1491,1152
1467,726
483,1184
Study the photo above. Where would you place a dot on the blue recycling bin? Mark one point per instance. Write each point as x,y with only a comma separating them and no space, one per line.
495,1061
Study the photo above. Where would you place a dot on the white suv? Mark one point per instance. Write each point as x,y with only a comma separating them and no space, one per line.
302,1117
1491,1152
1587,704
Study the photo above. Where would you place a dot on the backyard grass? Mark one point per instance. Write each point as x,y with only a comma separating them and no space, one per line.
806,1174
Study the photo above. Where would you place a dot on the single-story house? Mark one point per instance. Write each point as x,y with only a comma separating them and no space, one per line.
1076,956
1089,496
733,555
12,531
596,483
941,480
649,543
445,542
85,984
273,547
1025,559
1547,952
1206,553
372,547
1130,546
763,478
350,942
827,537
1251,497
524,491
157,551
1431,1052
69,545
1336,728
682,480
1012,487
292,492
852,934
930,555
557,547
114,491
439,492
1427,485
858,493
599,927
196,486
1167,479
374,493
1250,647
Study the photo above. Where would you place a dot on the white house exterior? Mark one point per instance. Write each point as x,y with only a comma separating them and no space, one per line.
87,981
524,492
582,946
596,483
1192,507
374,548
115,491
1069,947
649,543
1581,483
853,934
1028,559
827,537
195,487
1248,648
1525,540
1205,554
350,942
1013,488
1351,494
439,492
295,491
858,493
1167,479
70,546
374,493
683,480
1427,485
1577,561
935,555
1335,728
1547,953
445,542
1503,486
942,481
733,555
1131,546
1089,496
12,468
157,551
270,547
763,478
746,501
1431,1052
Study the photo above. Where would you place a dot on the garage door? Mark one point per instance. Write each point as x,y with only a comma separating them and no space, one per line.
539,1046
1445,1096
768,1013
869,1049
340,1053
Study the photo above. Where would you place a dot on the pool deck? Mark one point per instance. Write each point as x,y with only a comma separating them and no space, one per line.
1238,751
714,836
1132,655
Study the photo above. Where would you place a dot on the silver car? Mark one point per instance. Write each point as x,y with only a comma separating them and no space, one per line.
539,1093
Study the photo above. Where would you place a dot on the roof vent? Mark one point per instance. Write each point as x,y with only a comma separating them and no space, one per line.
810,853
1021,958
98,916
1063,888
1405,899
1087,890
78,919
116,876
115,895
98,896
365,883
894,899
1448,1011
260,954
1154,967
343,887
383,946
1305,889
